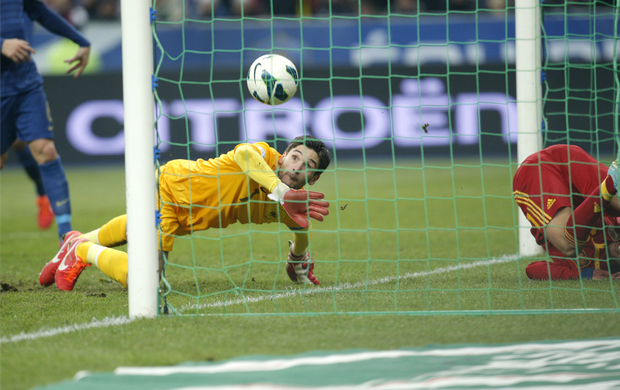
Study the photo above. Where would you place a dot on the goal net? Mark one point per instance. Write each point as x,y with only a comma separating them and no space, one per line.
418,106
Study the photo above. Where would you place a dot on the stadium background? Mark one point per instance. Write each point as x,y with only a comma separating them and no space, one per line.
88,112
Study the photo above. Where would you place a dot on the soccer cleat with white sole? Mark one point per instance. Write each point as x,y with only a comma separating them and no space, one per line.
46,277
70,267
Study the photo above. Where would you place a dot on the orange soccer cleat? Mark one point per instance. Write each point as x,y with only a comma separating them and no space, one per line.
46,277
70,267
46,214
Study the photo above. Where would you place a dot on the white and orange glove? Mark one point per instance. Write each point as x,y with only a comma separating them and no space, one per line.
300,204
300,268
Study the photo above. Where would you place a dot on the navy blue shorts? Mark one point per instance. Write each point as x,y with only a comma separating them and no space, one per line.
25,116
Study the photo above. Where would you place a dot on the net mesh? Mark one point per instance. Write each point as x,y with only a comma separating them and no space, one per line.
418,108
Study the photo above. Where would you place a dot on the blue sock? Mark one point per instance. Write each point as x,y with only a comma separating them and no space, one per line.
32,169
57,190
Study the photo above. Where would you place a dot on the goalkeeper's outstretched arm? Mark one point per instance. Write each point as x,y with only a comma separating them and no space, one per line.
298,204
299,265
255,166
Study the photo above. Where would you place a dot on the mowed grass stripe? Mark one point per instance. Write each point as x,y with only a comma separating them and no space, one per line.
116,321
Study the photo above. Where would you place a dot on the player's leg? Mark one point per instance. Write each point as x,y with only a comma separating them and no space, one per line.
77,253
114,263
54,182
45,215
34,124
31,167
110,261
113,233
3,160
556,232
557,270
8,130
71,265
589,212
48,273
95,250
590,179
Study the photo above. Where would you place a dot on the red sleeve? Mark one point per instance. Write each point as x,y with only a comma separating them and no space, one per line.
559,270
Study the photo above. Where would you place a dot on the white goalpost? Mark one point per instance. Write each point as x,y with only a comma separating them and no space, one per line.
529,99
137,51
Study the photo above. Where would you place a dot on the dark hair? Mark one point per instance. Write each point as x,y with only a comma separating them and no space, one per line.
315,144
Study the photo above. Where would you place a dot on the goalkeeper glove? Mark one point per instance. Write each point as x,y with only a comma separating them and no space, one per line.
299,204
300,267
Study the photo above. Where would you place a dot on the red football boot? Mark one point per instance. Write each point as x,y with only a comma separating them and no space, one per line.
46,277
70,267
46,214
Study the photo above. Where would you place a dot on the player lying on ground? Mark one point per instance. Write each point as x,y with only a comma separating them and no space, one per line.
251,184
568,196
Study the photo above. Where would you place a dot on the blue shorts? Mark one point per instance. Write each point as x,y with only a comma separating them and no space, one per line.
25,116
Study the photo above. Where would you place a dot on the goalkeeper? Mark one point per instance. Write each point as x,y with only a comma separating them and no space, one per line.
251,184
570,200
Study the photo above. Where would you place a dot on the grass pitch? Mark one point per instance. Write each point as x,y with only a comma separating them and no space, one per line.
411,242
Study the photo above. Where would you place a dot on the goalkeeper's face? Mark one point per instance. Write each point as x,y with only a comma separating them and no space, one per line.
297,167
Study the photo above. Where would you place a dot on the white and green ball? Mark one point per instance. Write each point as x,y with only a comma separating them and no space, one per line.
272,79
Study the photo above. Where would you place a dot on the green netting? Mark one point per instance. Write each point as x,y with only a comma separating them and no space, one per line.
422,215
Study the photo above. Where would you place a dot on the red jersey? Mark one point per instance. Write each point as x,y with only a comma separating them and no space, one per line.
556,177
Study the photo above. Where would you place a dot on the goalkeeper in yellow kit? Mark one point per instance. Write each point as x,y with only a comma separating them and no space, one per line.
251,184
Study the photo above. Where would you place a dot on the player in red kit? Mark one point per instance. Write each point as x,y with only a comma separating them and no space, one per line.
566,195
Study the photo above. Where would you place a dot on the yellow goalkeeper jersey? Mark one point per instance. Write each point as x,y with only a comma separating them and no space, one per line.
215,193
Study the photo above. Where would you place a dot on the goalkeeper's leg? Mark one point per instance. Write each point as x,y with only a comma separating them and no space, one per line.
113,233
110,261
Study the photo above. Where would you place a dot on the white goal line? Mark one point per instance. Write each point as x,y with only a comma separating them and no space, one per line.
95,323
349,286
122,320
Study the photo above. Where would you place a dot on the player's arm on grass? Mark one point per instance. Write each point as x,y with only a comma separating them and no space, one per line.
569,230
54,23
556,232
299,204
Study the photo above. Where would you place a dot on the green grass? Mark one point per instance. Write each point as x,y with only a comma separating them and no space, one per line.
372,256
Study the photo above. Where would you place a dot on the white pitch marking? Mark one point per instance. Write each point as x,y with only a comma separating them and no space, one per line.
113,321
351,286
108,321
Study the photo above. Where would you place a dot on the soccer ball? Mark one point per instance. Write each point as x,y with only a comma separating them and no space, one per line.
272,79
